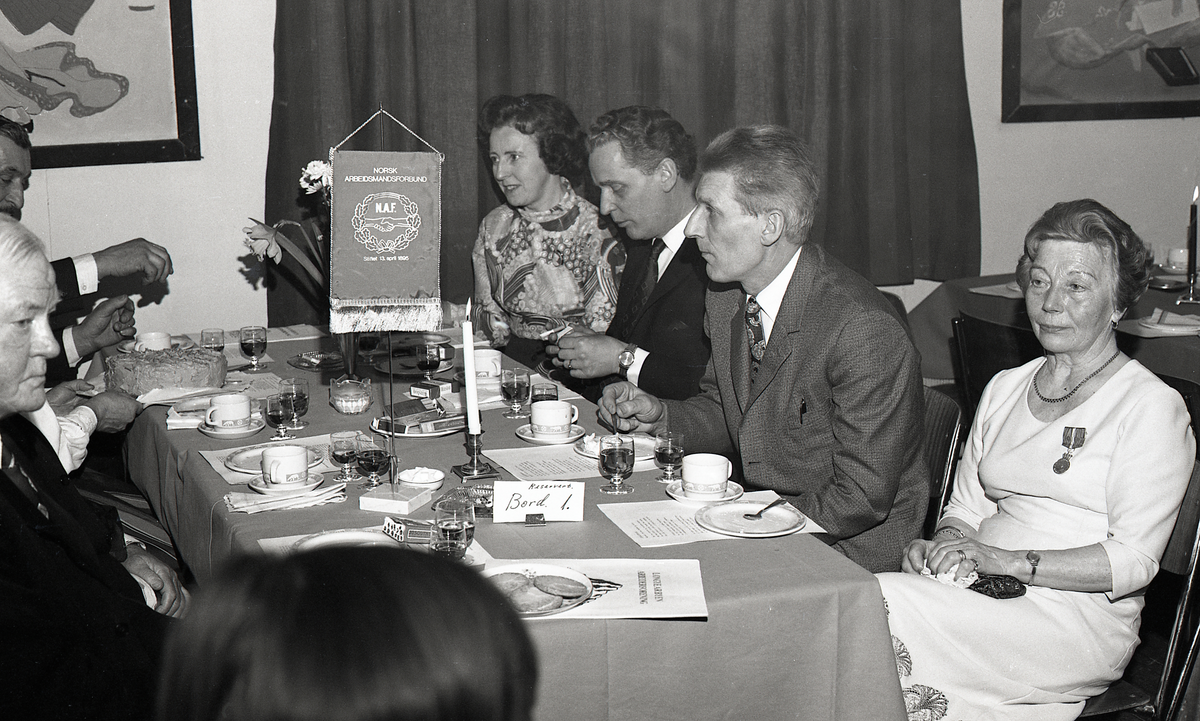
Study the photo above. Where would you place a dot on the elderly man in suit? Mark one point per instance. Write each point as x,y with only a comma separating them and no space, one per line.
644,163
80,634
813,379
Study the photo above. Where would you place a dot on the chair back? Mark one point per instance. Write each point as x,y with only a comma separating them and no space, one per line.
986,348
943,428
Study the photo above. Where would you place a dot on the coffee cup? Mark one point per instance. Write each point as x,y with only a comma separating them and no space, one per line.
154,340
706,475
228,411
487,363
285,465
552,419
1177,257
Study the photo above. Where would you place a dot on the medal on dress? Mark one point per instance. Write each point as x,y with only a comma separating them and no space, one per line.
1072,438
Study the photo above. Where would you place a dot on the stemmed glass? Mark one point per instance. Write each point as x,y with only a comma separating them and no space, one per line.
372,460
296,389
616,463
343,449
668,454
254,345
453,527
213,339
429,358
279,414
514,388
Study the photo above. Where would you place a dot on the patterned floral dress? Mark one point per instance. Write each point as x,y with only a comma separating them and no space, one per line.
545,271
963,655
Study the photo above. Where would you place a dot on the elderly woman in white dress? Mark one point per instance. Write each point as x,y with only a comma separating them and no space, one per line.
1070,482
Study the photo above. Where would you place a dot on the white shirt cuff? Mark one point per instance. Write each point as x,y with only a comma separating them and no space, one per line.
86,275
639,358
68,347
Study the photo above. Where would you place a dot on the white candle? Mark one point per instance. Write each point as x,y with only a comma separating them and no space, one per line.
469,381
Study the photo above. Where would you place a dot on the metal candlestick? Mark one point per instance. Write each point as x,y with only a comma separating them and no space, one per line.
475,468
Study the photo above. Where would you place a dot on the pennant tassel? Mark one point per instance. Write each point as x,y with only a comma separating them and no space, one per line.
415,315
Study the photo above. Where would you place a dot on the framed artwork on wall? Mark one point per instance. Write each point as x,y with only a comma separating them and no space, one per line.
104,82
1100,60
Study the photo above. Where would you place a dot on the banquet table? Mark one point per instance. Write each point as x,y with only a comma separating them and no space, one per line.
794,629
933,335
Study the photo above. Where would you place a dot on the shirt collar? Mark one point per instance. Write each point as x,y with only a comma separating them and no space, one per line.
675,237
770,298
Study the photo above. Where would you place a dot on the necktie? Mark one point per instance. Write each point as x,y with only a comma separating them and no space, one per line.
754,336
643,290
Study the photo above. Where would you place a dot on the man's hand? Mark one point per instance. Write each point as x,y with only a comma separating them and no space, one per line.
587,354
67,395
625,407
109,323
173,598
134,256
114,410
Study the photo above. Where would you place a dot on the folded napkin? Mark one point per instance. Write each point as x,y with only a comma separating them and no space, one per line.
254,502
1161,323
1166,317
188,419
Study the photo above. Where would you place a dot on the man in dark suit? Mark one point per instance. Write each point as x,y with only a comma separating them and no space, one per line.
644,164
813,380
80,640
112,319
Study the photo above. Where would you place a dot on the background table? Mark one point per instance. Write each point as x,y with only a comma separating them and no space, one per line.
795,630
1177,356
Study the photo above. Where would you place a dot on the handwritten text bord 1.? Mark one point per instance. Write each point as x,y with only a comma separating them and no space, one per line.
554,500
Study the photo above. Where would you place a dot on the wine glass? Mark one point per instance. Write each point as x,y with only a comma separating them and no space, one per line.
279,414
453,527
371,460
213,339
296,389
616,463
668,454
429,358
514,388
254,345
343,449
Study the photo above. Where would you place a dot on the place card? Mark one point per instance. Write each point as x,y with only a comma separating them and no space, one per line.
512,501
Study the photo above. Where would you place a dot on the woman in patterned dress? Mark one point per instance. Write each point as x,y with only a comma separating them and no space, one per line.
544,261
1070,482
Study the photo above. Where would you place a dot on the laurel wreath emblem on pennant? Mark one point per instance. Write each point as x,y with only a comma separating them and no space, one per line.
377,218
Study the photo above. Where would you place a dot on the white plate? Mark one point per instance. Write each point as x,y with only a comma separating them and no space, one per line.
345,537
249,459
1169,328
431,434
546,569
643,446
525,434
733,491
233,434
432,485
727,518
258,484
178,342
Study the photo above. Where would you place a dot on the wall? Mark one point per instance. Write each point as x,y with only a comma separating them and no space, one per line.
195,209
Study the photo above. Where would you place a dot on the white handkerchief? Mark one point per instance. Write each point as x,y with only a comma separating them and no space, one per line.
255,503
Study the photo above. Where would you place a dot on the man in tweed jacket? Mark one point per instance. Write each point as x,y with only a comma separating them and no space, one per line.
831,414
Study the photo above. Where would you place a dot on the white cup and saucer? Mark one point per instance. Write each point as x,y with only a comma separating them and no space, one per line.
285,471
551,423
706,478
228,416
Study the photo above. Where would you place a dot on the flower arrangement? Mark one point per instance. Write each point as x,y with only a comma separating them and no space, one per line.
269,241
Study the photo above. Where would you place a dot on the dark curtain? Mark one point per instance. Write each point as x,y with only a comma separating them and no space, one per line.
877,89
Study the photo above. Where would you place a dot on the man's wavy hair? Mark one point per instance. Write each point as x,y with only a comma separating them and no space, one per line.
647,136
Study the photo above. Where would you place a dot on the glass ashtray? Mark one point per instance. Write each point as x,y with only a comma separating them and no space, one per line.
479,494
350,396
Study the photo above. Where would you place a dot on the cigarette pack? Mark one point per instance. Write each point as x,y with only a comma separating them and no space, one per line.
444,424
430,389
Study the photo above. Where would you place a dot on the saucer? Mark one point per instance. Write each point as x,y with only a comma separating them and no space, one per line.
249,459
525,434
733,491
233,434
178,342
258,484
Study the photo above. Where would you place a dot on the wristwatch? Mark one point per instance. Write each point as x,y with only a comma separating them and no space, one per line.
1034,559
626,358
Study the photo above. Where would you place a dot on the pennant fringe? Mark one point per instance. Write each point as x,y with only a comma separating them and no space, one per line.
418,314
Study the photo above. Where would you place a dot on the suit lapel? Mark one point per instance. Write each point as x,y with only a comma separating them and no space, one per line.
791,311
739,352
677,271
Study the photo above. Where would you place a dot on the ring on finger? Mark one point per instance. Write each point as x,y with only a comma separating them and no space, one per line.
962,557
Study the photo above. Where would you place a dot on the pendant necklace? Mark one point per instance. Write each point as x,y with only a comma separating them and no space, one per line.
1072,438
1079,385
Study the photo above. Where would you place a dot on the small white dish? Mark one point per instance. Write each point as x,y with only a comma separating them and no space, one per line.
178,342
1169,328
345,537
418,434
643,446
728,518
405,477
526,434
733,491
289,489
233,434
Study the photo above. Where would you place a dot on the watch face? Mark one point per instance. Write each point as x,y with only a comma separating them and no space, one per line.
625,359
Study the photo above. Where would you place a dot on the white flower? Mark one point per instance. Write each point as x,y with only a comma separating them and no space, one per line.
260,239
317,176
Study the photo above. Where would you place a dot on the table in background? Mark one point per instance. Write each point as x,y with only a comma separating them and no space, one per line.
1177,356
795,630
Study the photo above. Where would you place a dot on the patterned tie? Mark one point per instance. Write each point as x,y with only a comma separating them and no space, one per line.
644,289
754,336
8,464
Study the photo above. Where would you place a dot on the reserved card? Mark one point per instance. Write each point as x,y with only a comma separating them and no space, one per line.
553,500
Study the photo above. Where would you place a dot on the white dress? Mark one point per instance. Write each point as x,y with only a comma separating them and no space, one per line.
962,655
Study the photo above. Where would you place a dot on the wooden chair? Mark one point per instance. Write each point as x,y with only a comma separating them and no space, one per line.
943,427
1179,560
986,348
